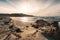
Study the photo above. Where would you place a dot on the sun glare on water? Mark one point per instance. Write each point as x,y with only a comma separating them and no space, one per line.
24,19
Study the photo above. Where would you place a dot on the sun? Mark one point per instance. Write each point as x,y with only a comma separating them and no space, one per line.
25,8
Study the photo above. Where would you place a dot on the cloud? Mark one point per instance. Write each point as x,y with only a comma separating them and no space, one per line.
56,1
2,0
7,1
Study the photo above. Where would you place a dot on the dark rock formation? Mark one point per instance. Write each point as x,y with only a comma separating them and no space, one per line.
51,28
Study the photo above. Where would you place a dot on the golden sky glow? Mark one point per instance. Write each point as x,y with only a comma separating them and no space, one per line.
31,7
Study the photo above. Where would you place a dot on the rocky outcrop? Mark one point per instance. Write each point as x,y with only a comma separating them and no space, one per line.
50,29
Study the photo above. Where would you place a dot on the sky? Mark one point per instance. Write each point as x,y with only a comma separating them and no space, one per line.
31,7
